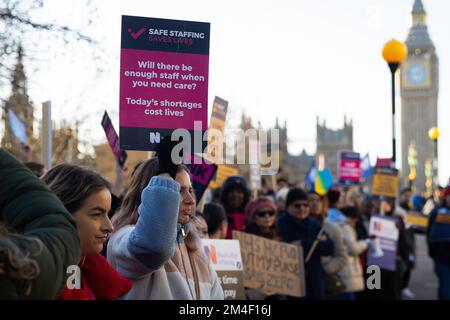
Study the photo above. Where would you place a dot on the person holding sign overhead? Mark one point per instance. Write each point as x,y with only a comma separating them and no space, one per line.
154,243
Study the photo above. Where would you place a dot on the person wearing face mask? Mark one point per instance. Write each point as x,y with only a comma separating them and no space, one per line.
234,197
87,196
296,226
154,243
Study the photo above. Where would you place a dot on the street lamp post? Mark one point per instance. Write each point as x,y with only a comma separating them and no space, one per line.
433,134
394,52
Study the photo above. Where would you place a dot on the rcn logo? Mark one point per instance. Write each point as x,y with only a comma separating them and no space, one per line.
155,137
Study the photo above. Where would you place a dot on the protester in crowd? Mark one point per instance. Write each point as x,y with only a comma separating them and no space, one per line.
261,216
280,198
87,196
335,202
391,280
335,262
216,219
352,273
34,259
201,225
121,173
282,183
216,195
438,237
266,190
354,198
296,226
405,207
433,201
153,243
234,197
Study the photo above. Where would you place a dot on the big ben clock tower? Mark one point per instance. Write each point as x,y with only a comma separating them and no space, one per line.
419,93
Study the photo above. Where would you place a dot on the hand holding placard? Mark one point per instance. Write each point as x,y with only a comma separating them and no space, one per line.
164,153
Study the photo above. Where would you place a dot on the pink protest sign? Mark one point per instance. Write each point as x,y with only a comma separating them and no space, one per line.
349,170
202,173
163,79
113,139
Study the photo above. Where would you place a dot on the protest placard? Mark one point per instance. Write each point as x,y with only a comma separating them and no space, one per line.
223,172
385,182
113,139
163,81
202,173
349,171
225,258
383,251
272,266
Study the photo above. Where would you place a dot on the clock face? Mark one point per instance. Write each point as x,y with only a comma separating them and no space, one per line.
416,73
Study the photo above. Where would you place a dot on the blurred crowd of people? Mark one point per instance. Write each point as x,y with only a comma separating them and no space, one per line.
143,240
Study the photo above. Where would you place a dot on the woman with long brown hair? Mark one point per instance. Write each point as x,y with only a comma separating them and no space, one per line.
87,196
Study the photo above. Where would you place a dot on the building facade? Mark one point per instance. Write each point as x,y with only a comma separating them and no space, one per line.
330,142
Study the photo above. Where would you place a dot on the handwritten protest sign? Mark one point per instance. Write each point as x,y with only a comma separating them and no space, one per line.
271,265
225,258
163,80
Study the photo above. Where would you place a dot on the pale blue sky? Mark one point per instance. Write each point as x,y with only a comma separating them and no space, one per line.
292,59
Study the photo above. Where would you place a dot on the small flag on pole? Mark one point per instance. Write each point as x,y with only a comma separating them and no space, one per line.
366,168
324,181
310,178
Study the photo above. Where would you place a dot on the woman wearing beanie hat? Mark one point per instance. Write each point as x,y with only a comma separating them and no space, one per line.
296,226
260,216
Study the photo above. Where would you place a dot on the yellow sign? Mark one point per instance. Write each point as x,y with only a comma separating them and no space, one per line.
223,172
443,218
385,182
417,220
218,117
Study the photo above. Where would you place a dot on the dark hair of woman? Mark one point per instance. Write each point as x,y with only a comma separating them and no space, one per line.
16,265
73,184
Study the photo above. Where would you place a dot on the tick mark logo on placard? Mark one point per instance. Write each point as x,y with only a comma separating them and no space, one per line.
137,34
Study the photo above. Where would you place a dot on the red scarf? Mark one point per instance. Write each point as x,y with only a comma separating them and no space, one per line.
98,281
